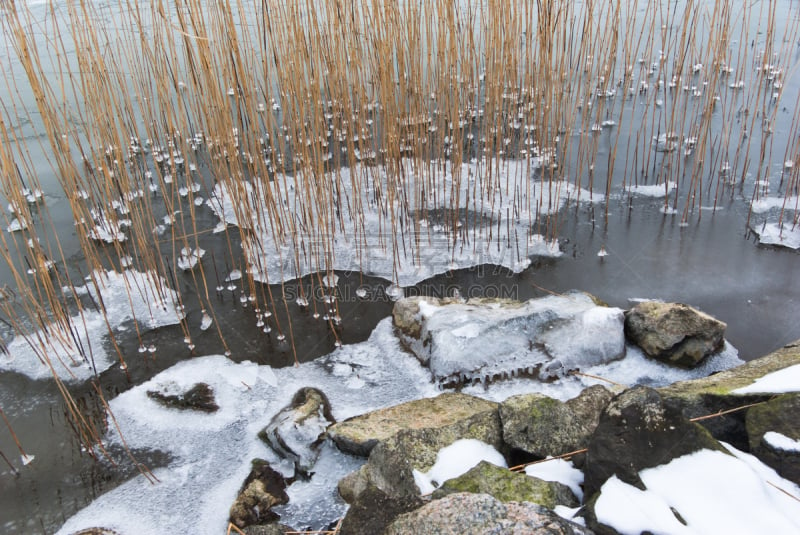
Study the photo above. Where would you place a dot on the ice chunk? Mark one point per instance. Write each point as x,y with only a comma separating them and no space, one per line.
464,341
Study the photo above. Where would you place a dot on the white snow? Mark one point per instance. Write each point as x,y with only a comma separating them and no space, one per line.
76,353
558,470
712,491
780,441
454,460
785,380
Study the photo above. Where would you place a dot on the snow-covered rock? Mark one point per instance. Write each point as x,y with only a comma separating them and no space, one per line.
481,340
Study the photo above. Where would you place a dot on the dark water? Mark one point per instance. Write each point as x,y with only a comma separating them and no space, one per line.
712,263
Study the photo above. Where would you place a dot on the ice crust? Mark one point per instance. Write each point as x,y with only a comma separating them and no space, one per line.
211,453
130,295
416,248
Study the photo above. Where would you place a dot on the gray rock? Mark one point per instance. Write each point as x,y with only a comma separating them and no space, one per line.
263,489
507,486
466,513
482,340
374,510
781,415
543,426
200,397
297,430
391,461
358,435
637,430
674,333
715,394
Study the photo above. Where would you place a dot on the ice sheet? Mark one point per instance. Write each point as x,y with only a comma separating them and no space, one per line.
785,235
74,352
427,239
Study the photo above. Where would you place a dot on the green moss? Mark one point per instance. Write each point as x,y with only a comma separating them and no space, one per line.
507,486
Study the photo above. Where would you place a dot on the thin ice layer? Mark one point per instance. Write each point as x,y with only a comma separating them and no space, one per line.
473,224
78,352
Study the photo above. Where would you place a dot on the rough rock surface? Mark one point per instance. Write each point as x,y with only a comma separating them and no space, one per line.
508,486
374,510
487,339
714,394
200,397
674,333
542,426
480,513
390,463
296,432
637,431
781,415
263,489
358,435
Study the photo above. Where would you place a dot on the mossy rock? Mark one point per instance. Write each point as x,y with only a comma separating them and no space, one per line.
508,486
724,383
358,435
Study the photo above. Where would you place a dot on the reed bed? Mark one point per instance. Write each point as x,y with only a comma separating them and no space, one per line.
335,134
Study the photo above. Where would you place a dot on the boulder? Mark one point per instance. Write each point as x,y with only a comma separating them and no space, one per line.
200,397
358,435
296,432
373,510
674,333
392,461
483,340
481,513
542,426
782,416
263,489
637,430
717,393
508,486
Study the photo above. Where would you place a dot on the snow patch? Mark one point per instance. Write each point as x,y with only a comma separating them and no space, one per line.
454,460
